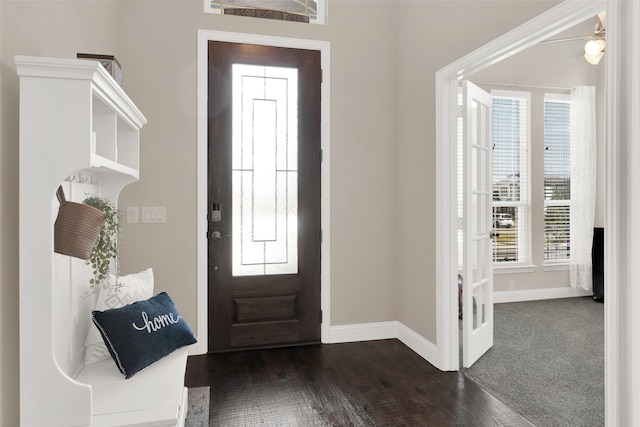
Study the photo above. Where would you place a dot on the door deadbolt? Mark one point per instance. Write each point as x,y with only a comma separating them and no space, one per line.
216,212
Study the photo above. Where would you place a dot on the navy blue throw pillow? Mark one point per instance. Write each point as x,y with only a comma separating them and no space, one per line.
142,333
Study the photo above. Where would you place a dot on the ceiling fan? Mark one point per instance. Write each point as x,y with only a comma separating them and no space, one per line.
595,43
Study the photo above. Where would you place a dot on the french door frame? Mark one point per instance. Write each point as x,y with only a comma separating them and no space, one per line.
618,406
204,36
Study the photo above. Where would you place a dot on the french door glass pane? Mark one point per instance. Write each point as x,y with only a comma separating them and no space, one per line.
264,170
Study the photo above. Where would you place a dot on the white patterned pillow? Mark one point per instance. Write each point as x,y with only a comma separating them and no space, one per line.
127,290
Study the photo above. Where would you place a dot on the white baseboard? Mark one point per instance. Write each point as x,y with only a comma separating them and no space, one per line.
538,294
425,348
367,332
361,332
381,331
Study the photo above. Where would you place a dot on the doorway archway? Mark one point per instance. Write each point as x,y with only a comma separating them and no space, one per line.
551,22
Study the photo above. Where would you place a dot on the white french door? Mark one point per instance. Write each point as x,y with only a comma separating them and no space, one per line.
477,323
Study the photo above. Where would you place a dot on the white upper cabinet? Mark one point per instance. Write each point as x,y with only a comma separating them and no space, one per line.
77,99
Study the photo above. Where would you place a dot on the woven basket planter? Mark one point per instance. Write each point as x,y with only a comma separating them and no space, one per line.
77,228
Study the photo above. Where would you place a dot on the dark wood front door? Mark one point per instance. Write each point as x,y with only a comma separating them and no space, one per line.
264,196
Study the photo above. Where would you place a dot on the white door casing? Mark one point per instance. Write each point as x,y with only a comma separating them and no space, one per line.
477,321
622,379
549,23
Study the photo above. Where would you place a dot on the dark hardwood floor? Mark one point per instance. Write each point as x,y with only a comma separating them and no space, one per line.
374,383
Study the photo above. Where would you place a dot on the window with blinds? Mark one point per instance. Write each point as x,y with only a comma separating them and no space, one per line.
557,178
511,194
286,10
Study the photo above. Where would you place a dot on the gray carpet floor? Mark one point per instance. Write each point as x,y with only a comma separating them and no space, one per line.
547,361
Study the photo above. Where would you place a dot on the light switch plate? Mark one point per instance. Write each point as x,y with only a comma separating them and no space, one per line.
154,215
132,214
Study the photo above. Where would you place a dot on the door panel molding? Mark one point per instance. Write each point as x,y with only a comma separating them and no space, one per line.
204,36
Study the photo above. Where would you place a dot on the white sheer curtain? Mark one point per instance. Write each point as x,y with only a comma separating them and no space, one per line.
583,184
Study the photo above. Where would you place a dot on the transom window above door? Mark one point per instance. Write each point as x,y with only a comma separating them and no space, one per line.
286,10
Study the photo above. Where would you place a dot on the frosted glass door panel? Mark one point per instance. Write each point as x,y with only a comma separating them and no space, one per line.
265,170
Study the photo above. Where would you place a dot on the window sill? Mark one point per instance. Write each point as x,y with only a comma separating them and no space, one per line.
514,268
555,267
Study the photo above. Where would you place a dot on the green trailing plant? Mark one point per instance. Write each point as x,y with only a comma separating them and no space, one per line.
106,247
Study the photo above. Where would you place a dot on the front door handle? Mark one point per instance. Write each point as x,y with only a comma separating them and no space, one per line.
216,235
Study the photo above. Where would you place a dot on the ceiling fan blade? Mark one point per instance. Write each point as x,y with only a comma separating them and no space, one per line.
565,39
578,55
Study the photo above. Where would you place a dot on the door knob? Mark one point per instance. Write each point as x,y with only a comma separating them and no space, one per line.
216,235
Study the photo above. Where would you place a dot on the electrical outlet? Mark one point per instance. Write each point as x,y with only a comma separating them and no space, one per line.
512,285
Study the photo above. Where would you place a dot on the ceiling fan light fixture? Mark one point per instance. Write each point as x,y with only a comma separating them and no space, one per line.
593,59
594,47
593,51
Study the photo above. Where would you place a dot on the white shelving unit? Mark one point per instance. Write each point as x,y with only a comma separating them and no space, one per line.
74,121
